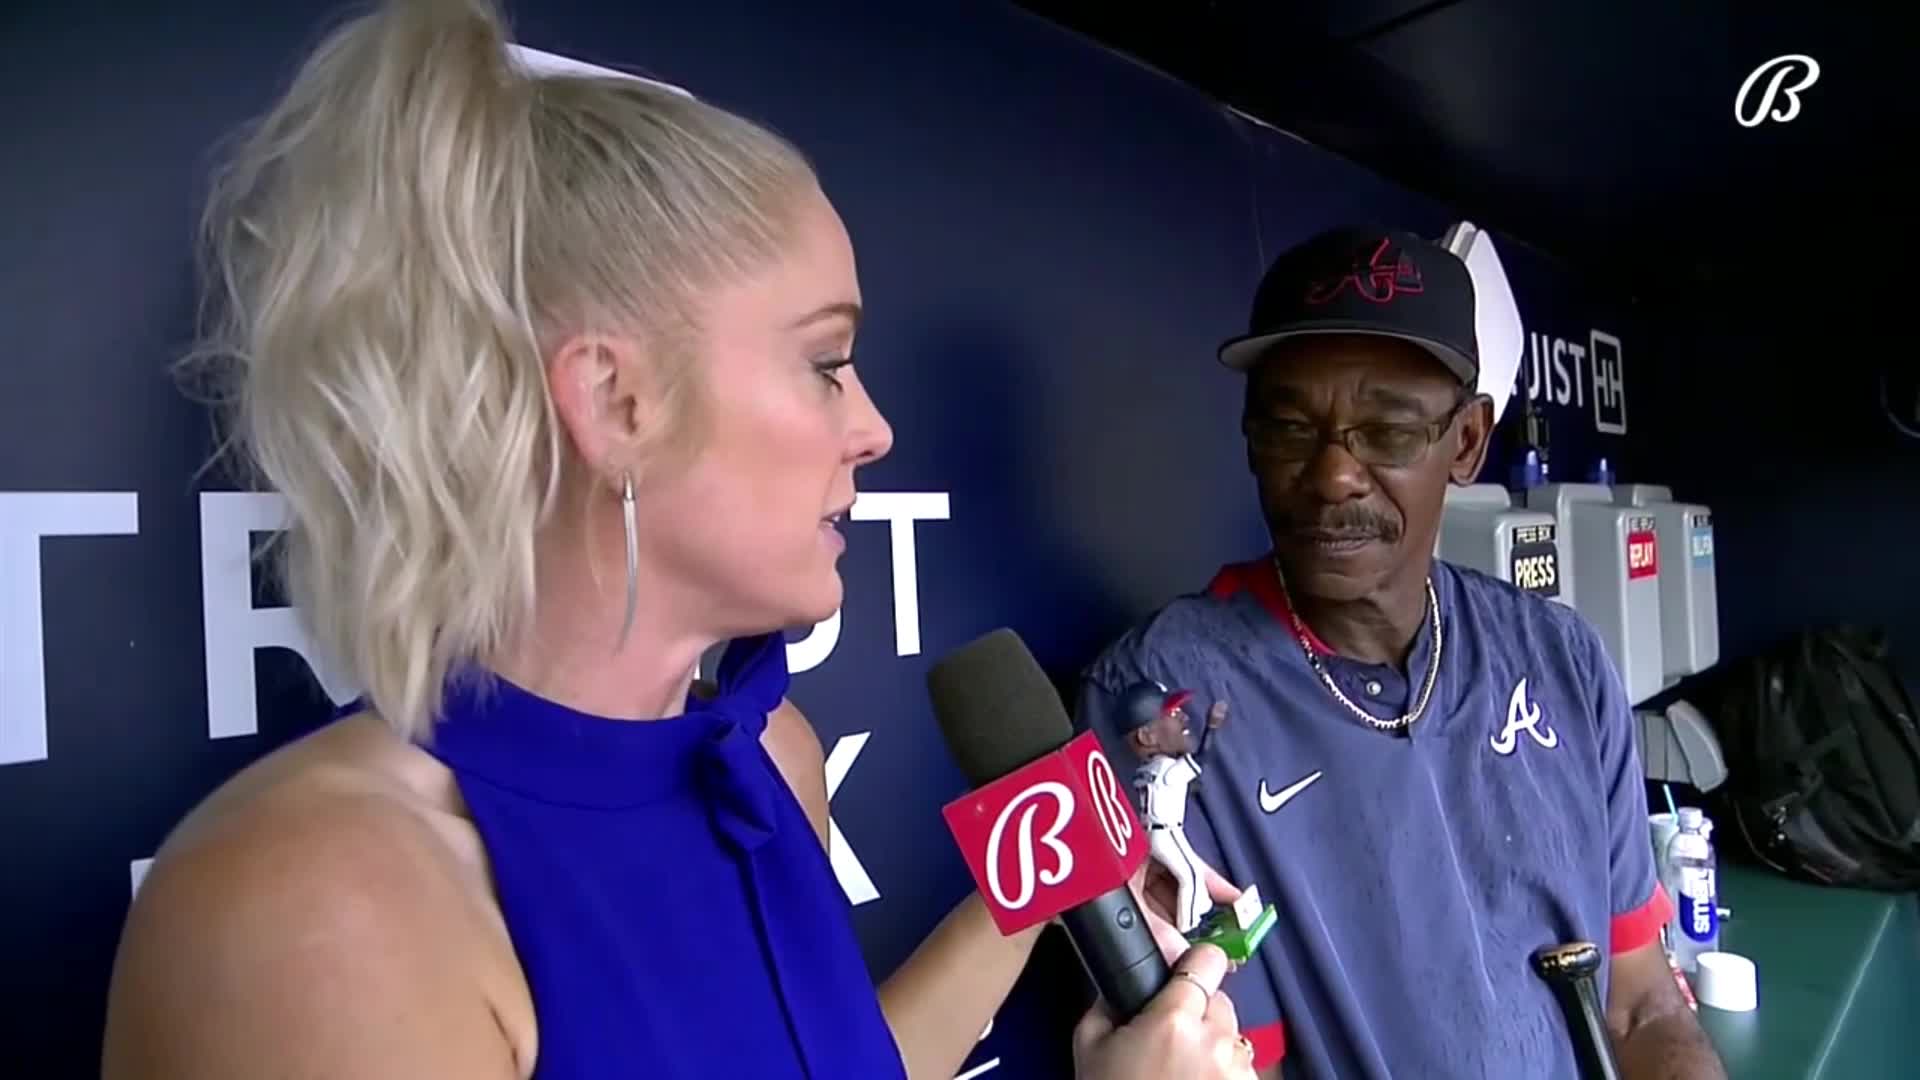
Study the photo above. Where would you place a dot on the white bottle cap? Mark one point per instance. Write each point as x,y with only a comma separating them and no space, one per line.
1726,981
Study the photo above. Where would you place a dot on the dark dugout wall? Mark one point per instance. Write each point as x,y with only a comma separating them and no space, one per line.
1051,240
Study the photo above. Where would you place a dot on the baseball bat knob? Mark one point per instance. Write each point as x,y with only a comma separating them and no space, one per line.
1573,960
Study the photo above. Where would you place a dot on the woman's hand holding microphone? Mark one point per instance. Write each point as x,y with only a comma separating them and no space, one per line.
1188,1031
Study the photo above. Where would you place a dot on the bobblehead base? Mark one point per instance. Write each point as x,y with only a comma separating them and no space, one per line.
1237,928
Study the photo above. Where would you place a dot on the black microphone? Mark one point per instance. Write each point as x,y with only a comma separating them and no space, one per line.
998,712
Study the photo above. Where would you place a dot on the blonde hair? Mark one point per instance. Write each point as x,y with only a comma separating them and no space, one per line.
387,251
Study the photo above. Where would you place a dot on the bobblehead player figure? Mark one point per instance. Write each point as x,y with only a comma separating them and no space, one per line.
1160,733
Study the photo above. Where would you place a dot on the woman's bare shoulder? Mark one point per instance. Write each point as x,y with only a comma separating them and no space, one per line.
795,749
328,905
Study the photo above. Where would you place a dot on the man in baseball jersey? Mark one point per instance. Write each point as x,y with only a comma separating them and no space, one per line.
1432,774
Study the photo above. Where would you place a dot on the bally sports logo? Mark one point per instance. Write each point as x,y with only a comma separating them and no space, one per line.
1109,805
1031,850
1771,79
1030,876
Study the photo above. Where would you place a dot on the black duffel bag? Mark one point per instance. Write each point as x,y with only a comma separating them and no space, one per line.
1823,760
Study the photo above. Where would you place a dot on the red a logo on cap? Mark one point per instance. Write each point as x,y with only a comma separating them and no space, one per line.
1379,279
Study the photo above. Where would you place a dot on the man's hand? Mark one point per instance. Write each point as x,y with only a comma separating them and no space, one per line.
1154,886
1655,1035
1217,715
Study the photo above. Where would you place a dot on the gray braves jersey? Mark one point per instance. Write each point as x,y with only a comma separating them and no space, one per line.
1413,874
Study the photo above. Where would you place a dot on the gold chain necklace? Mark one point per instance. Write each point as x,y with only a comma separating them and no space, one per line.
1401,722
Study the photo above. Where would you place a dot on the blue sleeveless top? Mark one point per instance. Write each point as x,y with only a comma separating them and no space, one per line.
669,902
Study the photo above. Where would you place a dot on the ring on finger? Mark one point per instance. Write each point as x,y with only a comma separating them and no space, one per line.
1195,980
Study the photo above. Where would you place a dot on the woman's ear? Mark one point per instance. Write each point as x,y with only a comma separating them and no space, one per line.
601,396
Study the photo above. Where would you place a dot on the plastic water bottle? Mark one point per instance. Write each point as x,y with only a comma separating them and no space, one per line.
1694,885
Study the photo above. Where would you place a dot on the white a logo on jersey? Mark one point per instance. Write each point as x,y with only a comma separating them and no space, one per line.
1523,715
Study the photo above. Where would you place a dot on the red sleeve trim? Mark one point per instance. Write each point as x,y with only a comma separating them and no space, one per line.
1641,926
1269,1044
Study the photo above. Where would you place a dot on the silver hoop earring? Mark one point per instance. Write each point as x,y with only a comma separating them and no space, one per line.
633,556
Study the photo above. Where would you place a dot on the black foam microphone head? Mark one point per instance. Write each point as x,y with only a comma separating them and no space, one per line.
996,708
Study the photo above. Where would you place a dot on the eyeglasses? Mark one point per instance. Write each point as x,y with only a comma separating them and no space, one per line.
1379,443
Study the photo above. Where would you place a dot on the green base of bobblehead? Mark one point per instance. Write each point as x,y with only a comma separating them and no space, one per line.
1237,928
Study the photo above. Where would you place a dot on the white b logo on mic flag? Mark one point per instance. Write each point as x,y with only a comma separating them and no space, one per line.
1804,69
1108,804
1062,797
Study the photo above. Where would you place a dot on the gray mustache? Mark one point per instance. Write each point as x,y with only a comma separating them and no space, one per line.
1353,524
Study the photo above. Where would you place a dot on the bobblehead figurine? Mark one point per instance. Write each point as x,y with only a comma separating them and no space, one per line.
1158,729
1160,733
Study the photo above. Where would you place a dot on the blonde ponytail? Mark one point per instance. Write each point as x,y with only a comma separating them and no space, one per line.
386,251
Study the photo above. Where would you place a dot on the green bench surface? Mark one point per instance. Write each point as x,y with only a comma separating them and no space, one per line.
1839,980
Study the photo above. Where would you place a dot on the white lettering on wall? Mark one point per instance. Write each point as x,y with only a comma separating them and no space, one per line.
812,651
234,627
979,1070
1558,371
902,509
25,518
1609,385
1554,370
984,1067
854,879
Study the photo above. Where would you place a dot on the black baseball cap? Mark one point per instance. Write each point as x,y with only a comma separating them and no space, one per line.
1365,280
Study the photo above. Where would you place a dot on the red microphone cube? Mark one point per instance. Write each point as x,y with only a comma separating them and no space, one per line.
1049,836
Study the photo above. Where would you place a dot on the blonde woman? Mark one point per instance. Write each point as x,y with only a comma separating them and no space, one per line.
555,375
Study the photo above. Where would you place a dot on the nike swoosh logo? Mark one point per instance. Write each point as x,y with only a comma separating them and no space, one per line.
1274,800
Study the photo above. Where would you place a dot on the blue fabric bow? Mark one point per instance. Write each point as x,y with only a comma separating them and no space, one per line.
733,770
734,776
